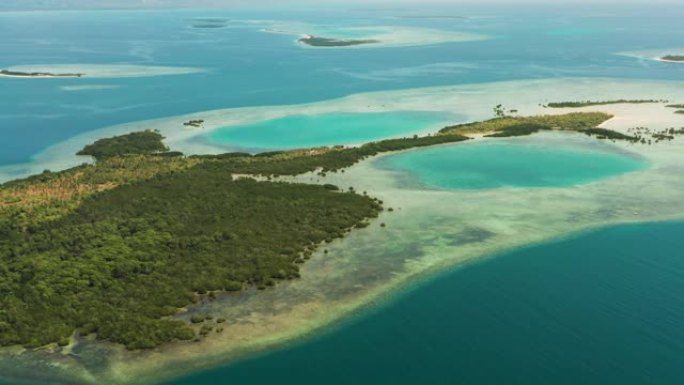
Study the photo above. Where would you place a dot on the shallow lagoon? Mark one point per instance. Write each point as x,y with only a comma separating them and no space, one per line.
297,131
495,164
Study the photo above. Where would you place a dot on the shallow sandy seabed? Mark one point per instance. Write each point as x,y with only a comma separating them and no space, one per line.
103,71
387,36
90,87
429,231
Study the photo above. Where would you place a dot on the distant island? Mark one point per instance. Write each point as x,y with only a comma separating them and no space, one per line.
673,58
209,23
316,41
587,103
19,74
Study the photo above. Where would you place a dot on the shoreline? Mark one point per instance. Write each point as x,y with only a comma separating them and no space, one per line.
470,102
41,76
374,265
669,61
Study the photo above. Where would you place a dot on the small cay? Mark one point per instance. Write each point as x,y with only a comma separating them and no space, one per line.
19,74
316,41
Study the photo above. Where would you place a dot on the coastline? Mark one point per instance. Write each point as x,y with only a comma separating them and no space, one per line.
660,59
372,265
471,102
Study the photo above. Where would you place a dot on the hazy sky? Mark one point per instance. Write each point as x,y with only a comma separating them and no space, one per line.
89,4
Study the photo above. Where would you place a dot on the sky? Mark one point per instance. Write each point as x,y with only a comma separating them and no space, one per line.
124,4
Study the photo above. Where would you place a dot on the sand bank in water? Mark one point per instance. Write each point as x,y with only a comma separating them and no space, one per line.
102,71
383,36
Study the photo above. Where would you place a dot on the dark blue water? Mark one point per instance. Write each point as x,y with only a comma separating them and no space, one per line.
602,308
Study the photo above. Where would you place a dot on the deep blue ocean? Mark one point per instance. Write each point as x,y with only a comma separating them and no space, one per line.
601,308
606,307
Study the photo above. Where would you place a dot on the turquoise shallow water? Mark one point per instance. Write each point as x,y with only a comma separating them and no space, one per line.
602,308
326,129
246,67
503,164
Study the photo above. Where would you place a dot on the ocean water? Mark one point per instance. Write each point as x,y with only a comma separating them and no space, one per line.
508,164
299,131
602,308
247,67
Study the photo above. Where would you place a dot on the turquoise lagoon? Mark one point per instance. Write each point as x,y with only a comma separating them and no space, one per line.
516,163
298,131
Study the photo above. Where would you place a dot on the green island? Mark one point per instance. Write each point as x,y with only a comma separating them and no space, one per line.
587,103
209,23
196,123
674,58
503,125
144,142
121,249
316,41
117,248
38,74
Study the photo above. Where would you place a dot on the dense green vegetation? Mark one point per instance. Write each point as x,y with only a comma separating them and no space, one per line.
675,106
574,122
586,103
140,143
602,133
673,58
127,258
144,142
323,159
521,129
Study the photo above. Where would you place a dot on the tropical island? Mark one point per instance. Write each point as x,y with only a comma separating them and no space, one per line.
316,41
673,58
131,249
120,248
20,74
